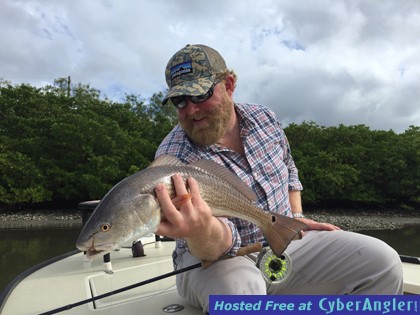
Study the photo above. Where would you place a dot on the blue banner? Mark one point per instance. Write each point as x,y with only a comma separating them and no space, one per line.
314,304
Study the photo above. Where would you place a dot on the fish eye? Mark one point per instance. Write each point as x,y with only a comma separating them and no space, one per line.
105,227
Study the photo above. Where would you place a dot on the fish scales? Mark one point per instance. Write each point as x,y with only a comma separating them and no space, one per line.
130,208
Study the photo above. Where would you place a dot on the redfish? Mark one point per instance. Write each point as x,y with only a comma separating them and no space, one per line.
131,209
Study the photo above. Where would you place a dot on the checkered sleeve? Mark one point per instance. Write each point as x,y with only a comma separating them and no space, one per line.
236,239
294,182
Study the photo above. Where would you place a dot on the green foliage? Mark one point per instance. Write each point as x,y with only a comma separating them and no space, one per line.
354,165
20,180
64,144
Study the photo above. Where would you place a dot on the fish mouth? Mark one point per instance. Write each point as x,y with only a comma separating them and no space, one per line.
96,251
92,253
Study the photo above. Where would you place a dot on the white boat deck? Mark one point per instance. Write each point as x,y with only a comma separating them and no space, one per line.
72,280
411,276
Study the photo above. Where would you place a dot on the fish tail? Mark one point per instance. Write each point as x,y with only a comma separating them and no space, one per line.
282,231
178,201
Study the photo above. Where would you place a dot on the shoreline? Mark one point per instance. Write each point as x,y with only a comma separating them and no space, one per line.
350,221
40,219
366,220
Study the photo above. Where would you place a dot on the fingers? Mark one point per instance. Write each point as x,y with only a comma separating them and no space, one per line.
183,199
182,196
328,227
186,191
320,226
194,190
162,195
166,205
179,185
173,223
179,212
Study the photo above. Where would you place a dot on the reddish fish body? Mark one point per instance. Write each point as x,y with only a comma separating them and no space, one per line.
130,209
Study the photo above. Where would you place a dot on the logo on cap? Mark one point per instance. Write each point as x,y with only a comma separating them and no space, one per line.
180,69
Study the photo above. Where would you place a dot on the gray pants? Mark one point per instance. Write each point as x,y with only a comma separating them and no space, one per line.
323,262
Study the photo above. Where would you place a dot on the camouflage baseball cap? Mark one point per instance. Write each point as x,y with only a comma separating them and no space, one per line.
192,71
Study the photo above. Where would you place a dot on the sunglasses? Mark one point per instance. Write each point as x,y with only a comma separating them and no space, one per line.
179,101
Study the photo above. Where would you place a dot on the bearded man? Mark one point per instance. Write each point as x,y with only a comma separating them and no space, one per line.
248,139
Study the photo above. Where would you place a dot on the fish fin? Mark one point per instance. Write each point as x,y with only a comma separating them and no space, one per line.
166,160
282,231
227,175
178,201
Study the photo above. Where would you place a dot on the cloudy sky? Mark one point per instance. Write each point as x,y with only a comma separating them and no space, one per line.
332,62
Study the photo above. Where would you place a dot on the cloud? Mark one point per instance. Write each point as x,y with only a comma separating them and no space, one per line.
350,62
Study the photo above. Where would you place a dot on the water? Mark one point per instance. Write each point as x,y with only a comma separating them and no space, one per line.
23,248
405,241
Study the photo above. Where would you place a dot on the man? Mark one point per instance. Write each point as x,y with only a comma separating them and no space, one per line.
248,139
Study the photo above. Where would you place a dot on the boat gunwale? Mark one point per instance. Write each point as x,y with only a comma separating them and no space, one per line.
4,295
410,259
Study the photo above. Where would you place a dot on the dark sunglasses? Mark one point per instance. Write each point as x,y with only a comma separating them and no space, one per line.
179,101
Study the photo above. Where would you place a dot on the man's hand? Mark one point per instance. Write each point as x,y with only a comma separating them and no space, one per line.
296,205
207,237
320,226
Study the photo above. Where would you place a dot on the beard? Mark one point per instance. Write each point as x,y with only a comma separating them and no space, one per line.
218,118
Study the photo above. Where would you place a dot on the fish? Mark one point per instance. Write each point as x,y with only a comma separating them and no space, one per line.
131,209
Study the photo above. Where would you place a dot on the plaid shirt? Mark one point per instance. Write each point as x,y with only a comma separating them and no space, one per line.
267,167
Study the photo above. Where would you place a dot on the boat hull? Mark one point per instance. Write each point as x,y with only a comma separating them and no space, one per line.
70,279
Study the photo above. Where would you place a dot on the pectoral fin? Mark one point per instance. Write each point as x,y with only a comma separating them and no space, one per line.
178,201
